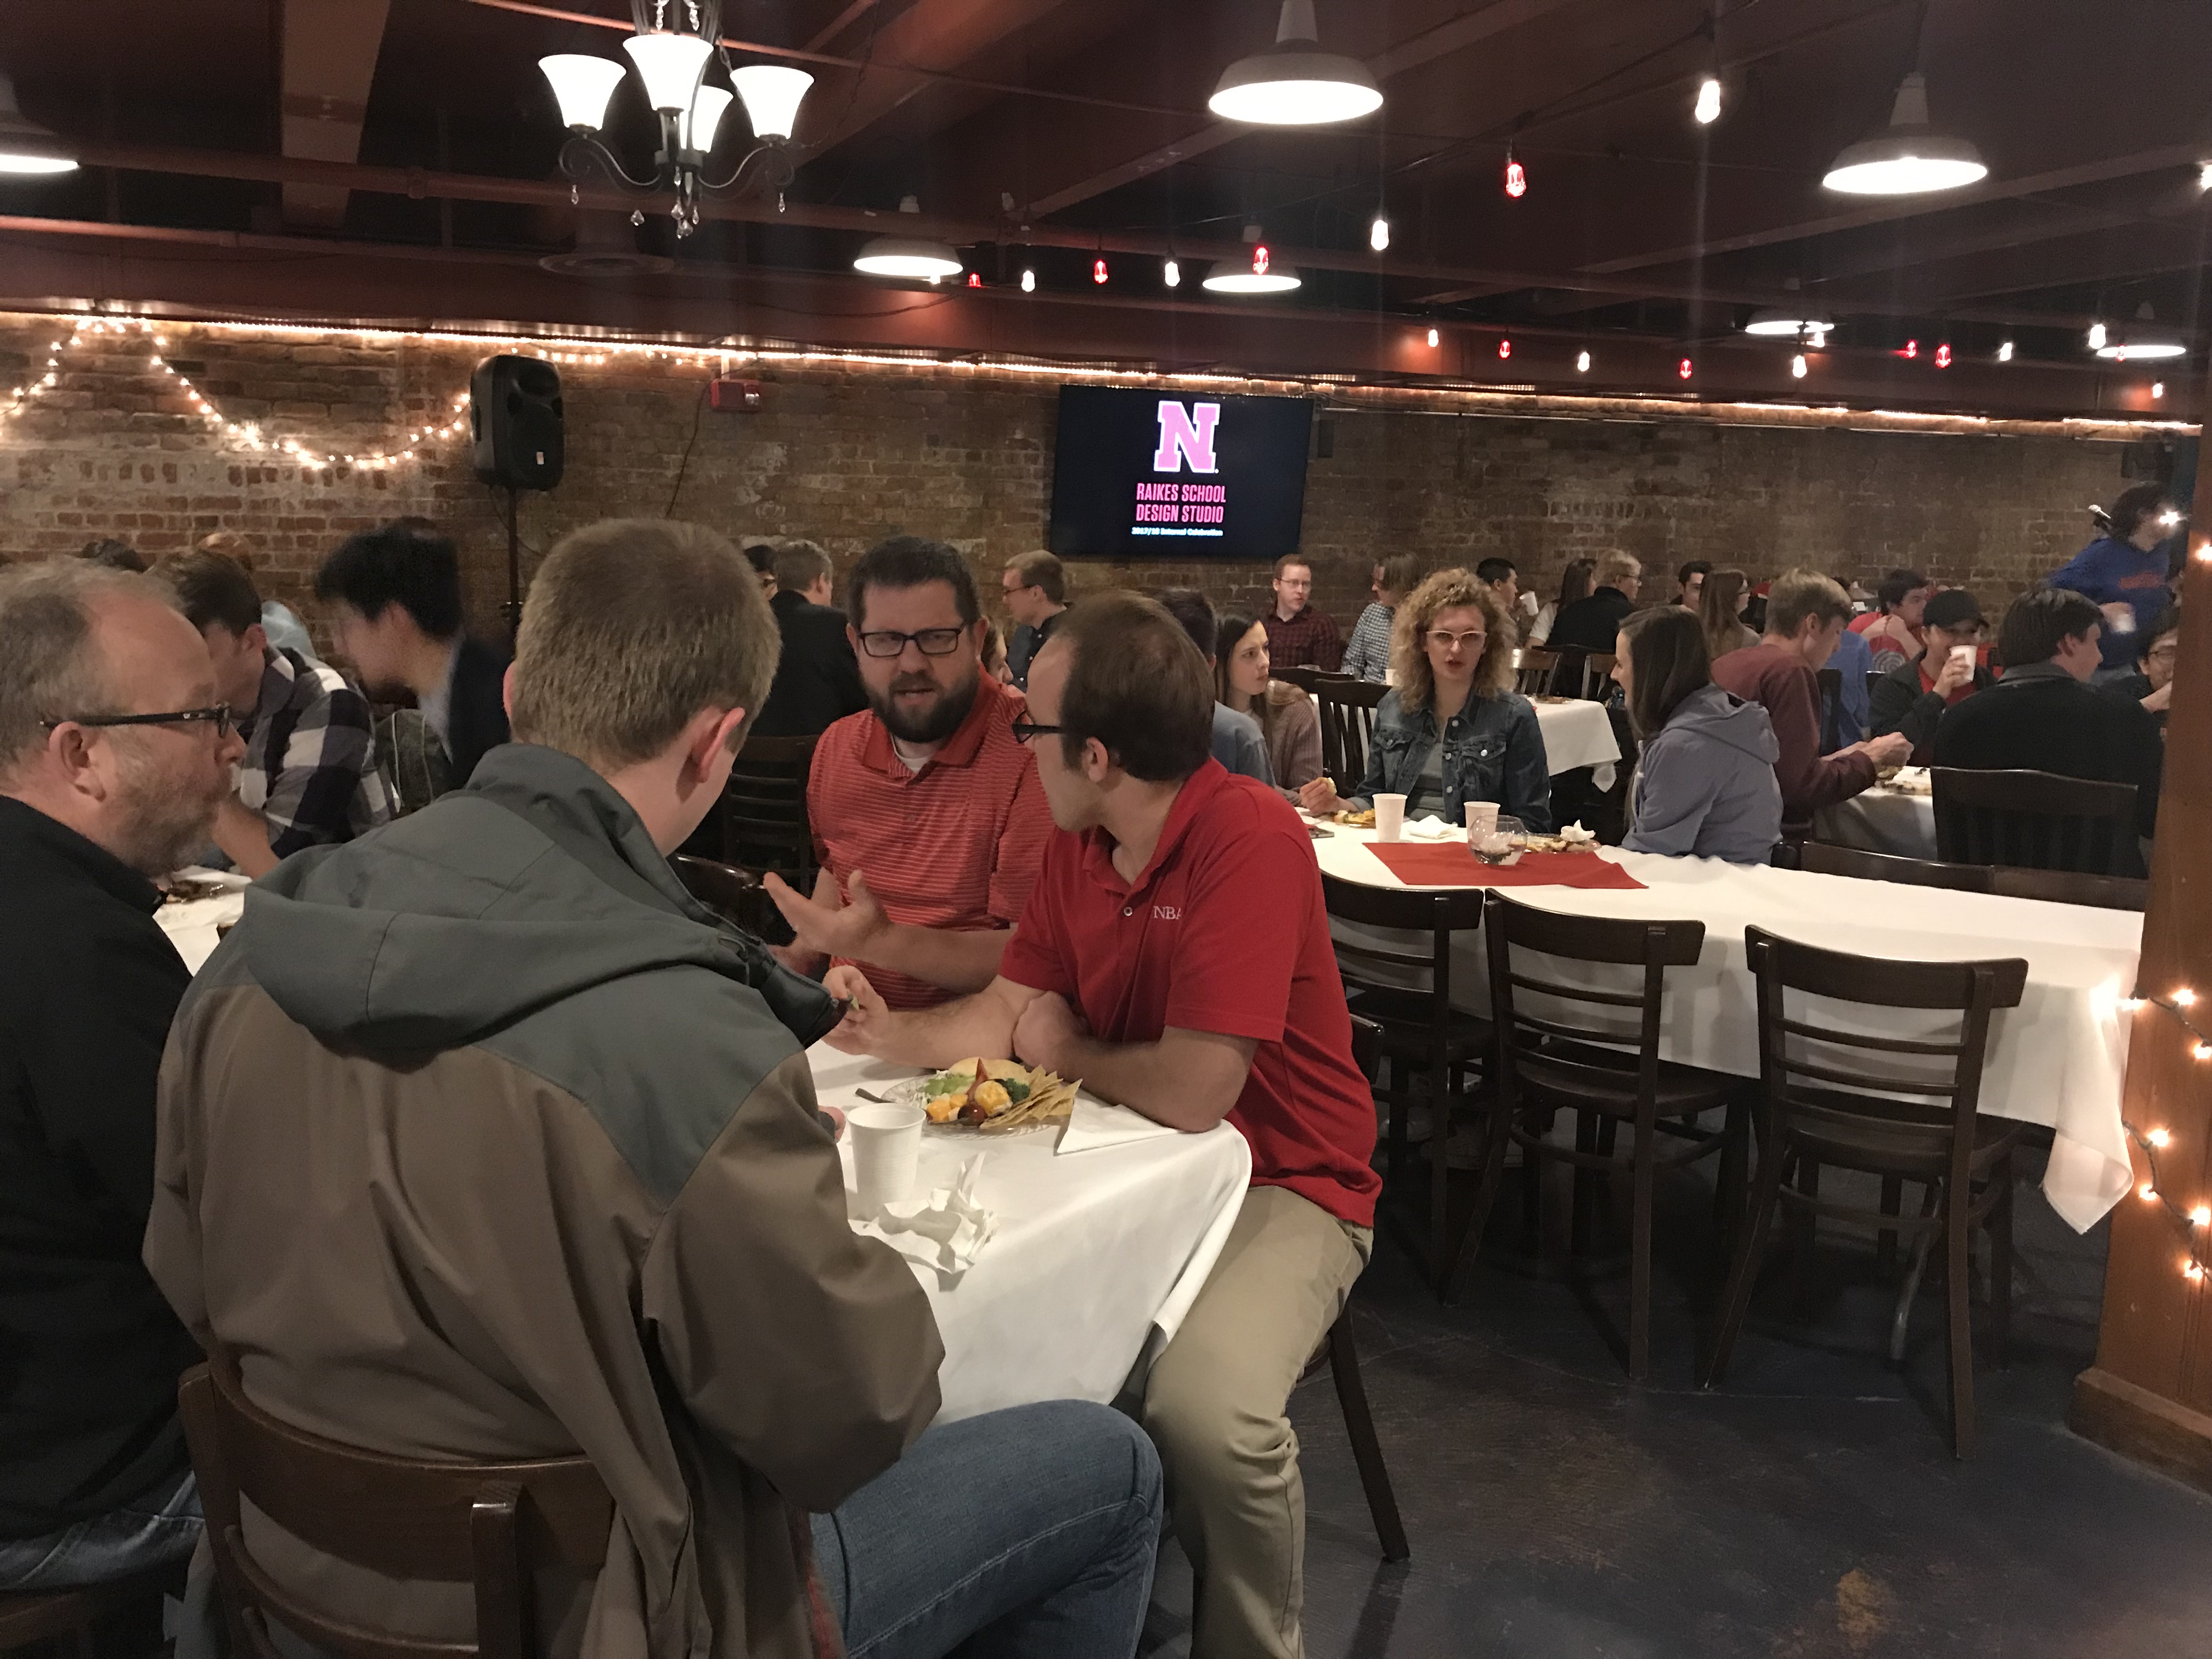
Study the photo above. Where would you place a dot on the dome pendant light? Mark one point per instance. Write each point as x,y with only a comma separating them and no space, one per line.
24,146
906,256
2142,339
1294,83
1906,158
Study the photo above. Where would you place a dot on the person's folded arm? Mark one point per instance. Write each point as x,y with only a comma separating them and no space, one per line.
1188,1080
808,1351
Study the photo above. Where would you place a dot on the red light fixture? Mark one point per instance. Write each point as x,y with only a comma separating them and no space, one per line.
1505,349
1911,349
1098,271
1259,258
1517,176
974,279
1943,356
1685,368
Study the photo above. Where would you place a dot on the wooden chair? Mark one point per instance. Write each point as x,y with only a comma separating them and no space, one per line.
2072,887
1873,678
735,895
762,812
1306,679
1534,676
1597,675
29,1618
1822,858
1348,724
1421,1032
1342,1356
1817,1108
1606,1072
2036,821
487,1524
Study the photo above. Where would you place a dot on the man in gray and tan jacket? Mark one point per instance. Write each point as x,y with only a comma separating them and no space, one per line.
478,1141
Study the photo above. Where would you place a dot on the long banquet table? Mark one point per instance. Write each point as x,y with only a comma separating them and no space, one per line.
1096,1257
2056,1059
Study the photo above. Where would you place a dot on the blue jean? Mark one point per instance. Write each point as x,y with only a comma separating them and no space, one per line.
1025,1533
156,1531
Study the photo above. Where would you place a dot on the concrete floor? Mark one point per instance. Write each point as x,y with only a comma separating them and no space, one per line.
1810,1508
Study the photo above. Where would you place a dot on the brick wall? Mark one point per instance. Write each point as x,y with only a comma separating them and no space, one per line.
847,454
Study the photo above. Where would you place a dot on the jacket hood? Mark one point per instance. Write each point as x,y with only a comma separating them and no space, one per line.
530,885
1716,714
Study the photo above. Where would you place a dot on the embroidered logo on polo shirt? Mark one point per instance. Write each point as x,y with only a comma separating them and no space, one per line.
1166,912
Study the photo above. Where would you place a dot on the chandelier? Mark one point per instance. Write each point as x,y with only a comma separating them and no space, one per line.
674,43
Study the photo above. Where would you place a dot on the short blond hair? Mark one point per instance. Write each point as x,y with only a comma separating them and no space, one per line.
1797,594
231,545
1614,563
1449,590
632,626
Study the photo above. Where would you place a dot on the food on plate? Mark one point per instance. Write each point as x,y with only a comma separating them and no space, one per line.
1572,839
993,1094
1356,820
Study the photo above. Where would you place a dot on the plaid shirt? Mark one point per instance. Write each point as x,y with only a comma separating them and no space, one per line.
1308,640
310,765
1368,656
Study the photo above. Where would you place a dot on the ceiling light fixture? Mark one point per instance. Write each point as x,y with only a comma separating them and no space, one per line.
906,256
2004,352
1797,366
2205,176
2158,388
1171,274
2097,338
2143,338
1029,279
1264,275
670,64
1707,109
1294,83
1432,336
1581,363
24,146
1789,322
1378,233
1517,176
1907,158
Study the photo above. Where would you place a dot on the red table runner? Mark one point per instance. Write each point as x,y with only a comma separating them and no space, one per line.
1449,863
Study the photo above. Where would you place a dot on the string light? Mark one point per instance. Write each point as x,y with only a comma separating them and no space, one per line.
1171,274
1797,366
1098,271
2158,388
1943,357
1685,368
2096,337
1432,336
1707,110
1028,280
1517,176
1582,362
2004,352
1378,233
2198,1216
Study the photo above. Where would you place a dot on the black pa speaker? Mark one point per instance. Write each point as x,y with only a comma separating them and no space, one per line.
514,421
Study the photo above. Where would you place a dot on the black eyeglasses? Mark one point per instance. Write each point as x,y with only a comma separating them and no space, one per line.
1024,730
933,641
219,717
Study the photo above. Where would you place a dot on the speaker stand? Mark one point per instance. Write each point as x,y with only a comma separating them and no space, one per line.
512,609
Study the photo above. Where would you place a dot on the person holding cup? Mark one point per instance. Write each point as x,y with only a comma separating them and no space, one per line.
1911,698
1452,730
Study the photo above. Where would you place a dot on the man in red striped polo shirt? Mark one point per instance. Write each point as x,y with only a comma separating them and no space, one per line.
1175,957
927,818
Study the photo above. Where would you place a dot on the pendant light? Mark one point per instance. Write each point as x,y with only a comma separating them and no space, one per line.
1906,158
24,146
906,256
1294,83
2141,339
1264,275
1791,322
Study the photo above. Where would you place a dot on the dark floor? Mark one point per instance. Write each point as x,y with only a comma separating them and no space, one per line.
1809,1507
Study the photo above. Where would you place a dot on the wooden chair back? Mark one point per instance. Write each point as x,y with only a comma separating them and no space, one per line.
2072,887
763,810
1306,679
1832,1084
1438,914
735,895
1534,675
1366,1046
1831,682
1822,858
1597,675
1347,726
2036,821
489,1525
1560,1053
1873,679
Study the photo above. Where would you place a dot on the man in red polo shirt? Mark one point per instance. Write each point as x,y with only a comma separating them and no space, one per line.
926,815
1175,956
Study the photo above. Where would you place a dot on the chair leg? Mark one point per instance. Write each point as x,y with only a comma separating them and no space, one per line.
1743,1270
1729,1186
1366,1450
1582,1219
1476,1221
1804,1231
1639,1272
2000,1226
1537,1125
1397,1158
1885,1248
1958,1292
1440,1127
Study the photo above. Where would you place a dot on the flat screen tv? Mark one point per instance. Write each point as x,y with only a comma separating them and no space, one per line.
1158,475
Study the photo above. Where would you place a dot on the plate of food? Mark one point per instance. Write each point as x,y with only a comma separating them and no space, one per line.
989,1097
1354,820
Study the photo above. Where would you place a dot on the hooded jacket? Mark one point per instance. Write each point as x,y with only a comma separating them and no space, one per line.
474,1142
1705,786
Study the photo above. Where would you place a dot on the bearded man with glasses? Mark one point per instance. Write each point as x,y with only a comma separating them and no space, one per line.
115,752
927,818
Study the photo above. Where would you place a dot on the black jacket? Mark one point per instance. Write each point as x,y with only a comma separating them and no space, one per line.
1590,623
817,680
475,719
2045,721
1899,703
89,1351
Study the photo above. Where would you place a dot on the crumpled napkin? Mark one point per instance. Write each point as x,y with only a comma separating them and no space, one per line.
1432,828
1573,833
944,1232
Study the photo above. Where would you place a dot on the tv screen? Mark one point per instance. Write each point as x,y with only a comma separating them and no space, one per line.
1162,474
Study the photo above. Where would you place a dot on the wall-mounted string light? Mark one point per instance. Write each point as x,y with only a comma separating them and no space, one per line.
2192,1222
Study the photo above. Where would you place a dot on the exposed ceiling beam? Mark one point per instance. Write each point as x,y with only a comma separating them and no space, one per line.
1455,34
836,25
928,38
1909,207
330,51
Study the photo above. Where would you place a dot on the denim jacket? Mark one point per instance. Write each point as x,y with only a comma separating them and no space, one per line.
1493,750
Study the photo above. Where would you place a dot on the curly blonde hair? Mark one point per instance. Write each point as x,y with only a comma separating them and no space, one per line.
1448,590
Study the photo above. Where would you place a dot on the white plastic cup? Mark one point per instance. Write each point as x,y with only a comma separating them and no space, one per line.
1389,818
1482,819
1963,655
886,1153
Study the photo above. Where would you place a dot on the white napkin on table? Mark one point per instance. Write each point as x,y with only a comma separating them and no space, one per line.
944,1232
1094,1124
1432,828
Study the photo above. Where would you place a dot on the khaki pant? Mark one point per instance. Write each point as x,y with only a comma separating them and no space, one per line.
1214,1406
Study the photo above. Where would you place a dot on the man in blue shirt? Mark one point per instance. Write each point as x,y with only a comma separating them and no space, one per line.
2124,573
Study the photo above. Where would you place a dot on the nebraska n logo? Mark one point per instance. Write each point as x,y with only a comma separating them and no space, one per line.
1186,436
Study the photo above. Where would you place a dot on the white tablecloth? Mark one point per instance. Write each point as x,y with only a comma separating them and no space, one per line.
1879,820
193,925
1098,1256
2056,1060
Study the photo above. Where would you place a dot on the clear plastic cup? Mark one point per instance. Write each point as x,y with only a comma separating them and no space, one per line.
886,1153
1389,818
